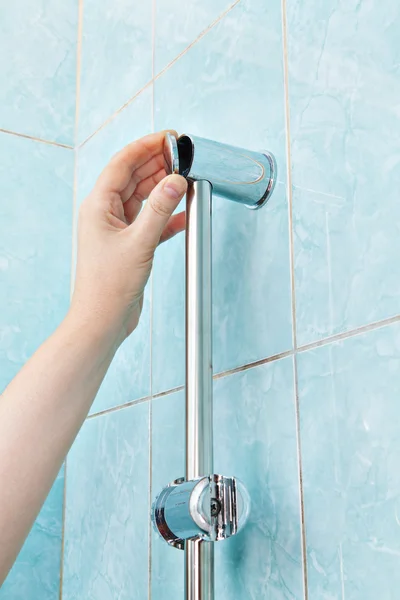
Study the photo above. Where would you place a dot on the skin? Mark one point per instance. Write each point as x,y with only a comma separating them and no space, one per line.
43,408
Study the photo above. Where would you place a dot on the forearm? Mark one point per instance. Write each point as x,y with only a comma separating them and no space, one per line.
41,412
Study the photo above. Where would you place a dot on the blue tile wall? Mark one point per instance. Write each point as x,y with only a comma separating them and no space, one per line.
107,508
254,414
229,87
129,375
36,573
177,24
168,428
38,68
116,58
36,217
344,82
350,441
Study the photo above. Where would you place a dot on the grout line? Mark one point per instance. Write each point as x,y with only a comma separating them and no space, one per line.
199,37
106,411
35,139
117,112
300,468
78,68
325,342
349,334
180,388
275,357
158,75
74,203
64,510
74,222
293,294
253,365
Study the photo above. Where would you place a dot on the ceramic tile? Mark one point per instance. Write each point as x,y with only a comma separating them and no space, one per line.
254,414
350,442
36,573
168,463
106,527
36,217
346,261
252,315
116,58
344,84
129,375
38,68
344,81
178,24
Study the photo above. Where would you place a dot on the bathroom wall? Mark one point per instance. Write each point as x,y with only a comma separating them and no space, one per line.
37,116
306,291
306,300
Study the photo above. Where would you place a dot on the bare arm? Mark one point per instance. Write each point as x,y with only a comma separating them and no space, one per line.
43,408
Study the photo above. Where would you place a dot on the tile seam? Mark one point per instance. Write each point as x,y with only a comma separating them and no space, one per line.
293,298
35,139
155,77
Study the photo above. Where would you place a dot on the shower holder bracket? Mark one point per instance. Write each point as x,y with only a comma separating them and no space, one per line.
210,509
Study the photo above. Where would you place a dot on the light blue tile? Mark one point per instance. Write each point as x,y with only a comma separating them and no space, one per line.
107,510
233,93
168,334
178,24
254,415
168,463
251,282
346,261
229,85
36,218
36,573
116,58
344,134
350,442
38,68
129,375
344,84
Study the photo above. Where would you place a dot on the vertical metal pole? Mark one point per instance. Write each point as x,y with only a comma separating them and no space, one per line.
199,556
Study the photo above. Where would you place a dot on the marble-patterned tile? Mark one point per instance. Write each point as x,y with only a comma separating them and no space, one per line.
344,84
254,414
116,58
107,508
177,24
38,68
168,463
233,92
36,218
346,260
349,413
129,375
36,572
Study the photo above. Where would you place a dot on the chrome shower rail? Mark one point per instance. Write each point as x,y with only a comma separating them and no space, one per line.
199,572
193,512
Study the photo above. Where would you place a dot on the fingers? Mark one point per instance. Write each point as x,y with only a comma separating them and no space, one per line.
175,225
159,207
118,173
133,206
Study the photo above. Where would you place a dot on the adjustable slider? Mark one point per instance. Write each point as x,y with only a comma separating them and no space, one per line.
210,509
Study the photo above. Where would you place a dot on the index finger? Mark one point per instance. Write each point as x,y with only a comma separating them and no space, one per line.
118,173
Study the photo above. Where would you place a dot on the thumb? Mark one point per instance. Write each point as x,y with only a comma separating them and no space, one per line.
158,209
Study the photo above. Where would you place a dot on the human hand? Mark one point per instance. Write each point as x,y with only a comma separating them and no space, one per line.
117,240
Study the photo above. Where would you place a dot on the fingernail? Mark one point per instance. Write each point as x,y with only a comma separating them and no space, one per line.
175,186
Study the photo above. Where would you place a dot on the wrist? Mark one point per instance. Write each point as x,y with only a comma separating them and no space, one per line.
95,325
